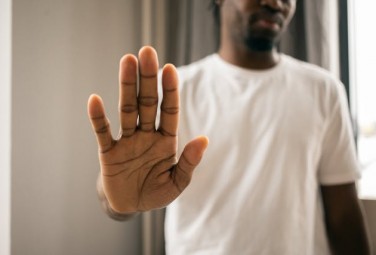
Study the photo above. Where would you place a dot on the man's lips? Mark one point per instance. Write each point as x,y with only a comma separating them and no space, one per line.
269,24
270,21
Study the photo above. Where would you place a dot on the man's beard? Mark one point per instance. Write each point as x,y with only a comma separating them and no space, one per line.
259,44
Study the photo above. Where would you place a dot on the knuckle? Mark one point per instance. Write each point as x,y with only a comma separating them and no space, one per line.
166,133
170,90
128,108
97,118
186,162
182,178
170,110
102,129
127,132
147,101
147,126
107,147
128,83
148,76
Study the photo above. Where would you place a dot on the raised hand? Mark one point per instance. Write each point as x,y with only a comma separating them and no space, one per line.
140,170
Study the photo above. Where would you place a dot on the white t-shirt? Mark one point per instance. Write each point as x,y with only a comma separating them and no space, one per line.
275,136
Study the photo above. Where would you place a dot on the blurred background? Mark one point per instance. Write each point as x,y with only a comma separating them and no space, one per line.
54,54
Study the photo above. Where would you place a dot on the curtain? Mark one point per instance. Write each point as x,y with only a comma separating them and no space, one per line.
313,34
184,31
191,31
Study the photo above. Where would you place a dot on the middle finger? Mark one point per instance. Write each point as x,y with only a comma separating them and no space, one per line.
148,94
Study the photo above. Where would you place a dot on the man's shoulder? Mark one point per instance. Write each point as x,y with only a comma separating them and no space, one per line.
306,70
314,76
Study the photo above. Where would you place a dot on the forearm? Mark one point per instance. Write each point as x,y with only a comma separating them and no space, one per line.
106,206
349,236
345,222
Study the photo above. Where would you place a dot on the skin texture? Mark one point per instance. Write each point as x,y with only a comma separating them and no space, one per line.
344,220
140,171
242,22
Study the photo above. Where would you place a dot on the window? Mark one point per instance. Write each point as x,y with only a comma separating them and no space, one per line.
362,70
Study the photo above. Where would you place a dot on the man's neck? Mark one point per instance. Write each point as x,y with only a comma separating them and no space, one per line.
247,58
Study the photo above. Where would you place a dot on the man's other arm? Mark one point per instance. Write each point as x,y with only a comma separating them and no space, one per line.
344,219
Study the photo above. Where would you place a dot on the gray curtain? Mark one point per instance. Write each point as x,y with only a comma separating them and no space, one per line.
312,35
191,31
191,34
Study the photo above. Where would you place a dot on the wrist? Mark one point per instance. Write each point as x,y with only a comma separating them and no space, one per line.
107,207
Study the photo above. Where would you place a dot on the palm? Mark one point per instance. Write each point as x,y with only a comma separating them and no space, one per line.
143,173
140,170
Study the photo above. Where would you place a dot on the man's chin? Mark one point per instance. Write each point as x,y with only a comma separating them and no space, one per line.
259,44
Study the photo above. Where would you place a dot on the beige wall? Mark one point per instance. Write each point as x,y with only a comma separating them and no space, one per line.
62,52
5,127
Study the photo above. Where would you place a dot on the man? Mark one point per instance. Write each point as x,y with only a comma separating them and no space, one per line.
278,176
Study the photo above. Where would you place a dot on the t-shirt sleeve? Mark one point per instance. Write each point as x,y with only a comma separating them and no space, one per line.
338,162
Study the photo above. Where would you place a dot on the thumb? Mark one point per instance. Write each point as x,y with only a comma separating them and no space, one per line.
188,161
